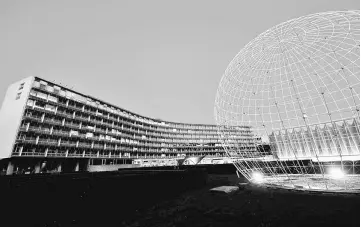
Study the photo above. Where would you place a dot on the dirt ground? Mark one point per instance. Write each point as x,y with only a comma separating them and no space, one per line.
250,207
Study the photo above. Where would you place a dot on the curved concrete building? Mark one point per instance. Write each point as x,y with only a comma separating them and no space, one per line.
47,127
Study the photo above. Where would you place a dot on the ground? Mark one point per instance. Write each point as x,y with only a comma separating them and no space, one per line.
250,207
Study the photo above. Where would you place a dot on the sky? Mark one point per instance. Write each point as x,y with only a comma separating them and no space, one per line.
160,59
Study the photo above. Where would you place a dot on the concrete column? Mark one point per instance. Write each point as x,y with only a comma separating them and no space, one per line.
59,168
76,166
37,167
10,168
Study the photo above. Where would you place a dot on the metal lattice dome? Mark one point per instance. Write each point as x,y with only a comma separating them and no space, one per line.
297,85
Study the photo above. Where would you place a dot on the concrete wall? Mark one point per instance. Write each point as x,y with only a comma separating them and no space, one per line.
101,168
10,114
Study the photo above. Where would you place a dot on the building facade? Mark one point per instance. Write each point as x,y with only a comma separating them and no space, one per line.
47,127
329,141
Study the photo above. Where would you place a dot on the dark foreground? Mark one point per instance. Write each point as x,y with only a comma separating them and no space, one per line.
251,207
165,198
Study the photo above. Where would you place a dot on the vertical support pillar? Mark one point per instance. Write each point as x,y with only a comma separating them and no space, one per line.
27,126
10,168
46,151
76,166
42,117
21,150
37,167
88,164
59,168
37,140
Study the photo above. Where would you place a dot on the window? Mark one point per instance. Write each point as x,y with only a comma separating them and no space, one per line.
18,96
21,86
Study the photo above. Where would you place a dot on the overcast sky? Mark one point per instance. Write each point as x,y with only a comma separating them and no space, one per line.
162,59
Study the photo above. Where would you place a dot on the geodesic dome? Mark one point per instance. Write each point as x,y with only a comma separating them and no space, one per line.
297,85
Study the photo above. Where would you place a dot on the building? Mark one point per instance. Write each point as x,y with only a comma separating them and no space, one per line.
336,141
50,128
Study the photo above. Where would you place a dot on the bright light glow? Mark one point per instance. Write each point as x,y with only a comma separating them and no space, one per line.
336,173
257,177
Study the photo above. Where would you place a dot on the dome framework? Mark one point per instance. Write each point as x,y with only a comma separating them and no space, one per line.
298,86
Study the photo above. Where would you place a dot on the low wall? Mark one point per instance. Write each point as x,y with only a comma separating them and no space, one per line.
102,168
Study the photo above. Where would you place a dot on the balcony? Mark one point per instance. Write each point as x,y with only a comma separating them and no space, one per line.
60,133
77,155
48,142
56,154
66,144
32,117
84,145
28,141
33,154
70,125
53,122
39,130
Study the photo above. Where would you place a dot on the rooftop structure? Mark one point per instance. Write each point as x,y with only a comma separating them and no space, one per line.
298,84
48,127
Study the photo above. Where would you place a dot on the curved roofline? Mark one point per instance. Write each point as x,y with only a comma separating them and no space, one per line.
107,103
